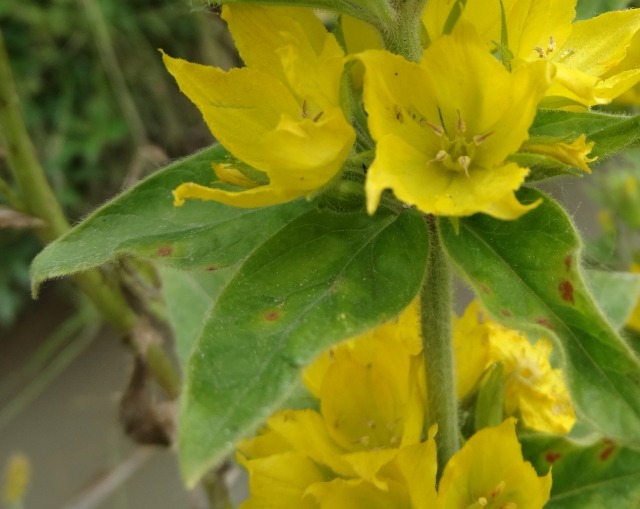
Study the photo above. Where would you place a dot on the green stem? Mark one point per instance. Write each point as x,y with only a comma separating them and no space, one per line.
33,187
436,312
403,35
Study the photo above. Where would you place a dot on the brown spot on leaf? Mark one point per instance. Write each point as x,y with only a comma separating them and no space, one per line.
272,315
567,262
212,267
544,322
608,449
164,250
552,456
506,312
566,291
485,289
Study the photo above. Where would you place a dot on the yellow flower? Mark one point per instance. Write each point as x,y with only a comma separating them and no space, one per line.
533,389
444,127
371,405
471,348
490,473
279,115
589,55
574,154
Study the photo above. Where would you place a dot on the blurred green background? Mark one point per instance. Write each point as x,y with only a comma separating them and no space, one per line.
98,103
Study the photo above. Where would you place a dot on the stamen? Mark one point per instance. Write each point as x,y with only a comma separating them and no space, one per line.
540,51
552,44
465,161
440,156
305,114
479,138
482,502
497,490
461,126
438,131
317,117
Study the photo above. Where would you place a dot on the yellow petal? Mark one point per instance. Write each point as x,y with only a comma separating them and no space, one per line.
489,471
280,481
471,348
574,153
356,493
260,32
597,45
400,167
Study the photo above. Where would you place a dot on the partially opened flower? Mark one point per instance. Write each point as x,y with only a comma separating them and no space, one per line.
280,115
589,55
489,472
444,127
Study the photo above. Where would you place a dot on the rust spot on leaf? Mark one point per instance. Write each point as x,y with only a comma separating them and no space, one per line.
608,449
505,312
485,289
544,322
272,315
566,291
212,267
552,456
164,250
567,262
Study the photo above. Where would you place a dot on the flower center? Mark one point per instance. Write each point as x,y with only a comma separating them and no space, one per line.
456,152
545,52
490,500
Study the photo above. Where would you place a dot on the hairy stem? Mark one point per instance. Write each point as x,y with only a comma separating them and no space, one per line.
436,312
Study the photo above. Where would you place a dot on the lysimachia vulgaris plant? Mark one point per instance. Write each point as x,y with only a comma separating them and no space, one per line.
367,149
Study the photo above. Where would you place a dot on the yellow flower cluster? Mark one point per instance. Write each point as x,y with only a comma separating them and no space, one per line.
366,446
444,127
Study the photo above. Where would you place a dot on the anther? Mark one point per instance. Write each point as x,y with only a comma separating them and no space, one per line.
479,138
552,44
317,117
440,156
482,502
540,51
304,108
465,161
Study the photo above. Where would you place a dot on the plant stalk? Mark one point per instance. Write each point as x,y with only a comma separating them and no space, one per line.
436,313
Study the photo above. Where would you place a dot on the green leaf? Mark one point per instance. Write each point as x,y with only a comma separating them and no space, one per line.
527,273
201,235
189,296
601,475
616,293
611,133
323,278
590,8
